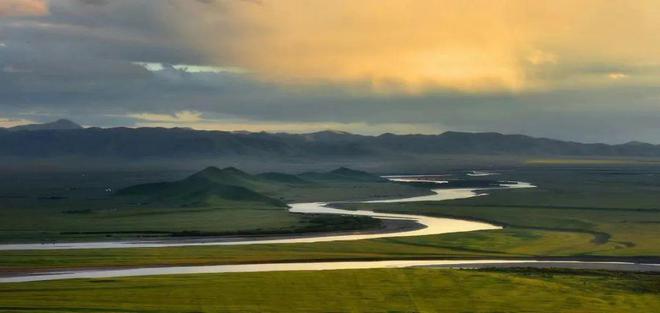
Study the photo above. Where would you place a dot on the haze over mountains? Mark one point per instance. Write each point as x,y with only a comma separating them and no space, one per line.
64,138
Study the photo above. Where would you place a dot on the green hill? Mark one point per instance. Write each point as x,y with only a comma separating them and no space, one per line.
213,185
343,174
207,187
226,176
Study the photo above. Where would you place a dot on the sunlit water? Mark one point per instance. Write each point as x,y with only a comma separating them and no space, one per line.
320,266
429,225
432,225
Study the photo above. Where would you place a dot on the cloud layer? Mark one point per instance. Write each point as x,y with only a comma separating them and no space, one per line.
584,70
411,45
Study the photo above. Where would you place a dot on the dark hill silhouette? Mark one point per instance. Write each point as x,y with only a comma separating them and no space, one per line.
342,174
176,143
203,188
212,185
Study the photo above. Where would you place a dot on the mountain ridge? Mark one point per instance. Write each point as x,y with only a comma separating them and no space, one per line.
173,143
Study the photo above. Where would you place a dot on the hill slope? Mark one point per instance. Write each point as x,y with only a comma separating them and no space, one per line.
343,174
213,185
203,188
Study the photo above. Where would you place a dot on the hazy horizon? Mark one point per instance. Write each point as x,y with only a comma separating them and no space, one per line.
312,132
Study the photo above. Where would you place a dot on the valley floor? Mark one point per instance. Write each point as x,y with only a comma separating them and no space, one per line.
604,214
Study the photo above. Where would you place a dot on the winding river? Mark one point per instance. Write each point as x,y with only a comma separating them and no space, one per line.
321,266
428,226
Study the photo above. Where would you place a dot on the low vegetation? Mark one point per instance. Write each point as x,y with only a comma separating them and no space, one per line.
211,202
617,208
378,290
611,214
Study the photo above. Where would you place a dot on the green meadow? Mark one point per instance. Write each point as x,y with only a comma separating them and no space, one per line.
378,290
212,202
610,213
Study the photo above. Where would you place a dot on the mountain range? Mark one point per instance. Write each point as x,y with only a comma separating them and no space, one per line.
66,139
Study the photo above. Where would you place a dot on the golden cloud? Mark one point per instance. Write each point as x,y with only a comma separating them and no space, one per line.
415,45
23,8
177,117
11,122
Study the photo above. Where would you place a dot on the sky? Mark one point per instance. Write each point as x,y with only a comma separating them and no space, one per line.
582,70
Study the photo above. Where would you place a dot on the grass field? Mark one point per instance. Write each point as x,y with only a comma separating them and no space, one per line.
509,243
82,207
618,207
578,213
378,290
39,225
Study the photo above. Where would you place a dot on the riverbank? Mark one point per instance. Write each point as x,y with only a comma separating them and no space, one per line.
425,225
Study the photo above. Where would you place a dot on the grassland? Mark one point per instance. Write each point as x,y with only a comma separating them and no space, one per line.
84,207
381,290
599,212
35,225
618,207
574,213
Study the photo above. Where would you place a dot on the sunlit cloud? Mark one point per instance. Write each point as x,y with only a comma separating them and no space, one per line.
177,117
11,122
188,68
417,46
196,120
617,75
23,8
302,127
560,69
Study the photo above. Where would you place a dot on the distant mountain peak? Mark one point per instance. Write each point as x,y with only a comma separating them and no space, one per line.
61,124
213,172
210,169
232,170
330,135
343,169
175,145
333,131
348,172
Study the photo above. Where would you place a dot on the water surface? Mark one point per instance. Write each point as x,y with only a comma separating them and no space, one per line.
428,225
319,266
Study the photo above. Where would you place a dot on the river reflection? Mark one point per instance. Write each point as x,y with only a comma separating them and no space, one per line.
319,266
427,225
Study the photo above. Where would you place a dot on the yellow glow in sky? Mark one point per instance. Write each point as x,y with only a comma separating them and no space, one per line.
23,7
415,45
